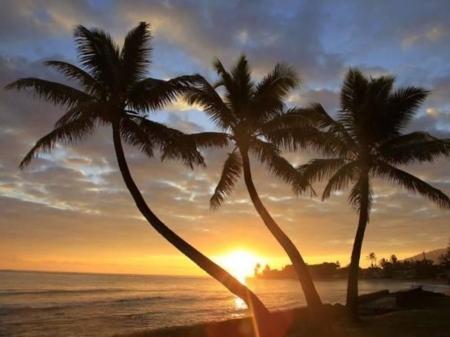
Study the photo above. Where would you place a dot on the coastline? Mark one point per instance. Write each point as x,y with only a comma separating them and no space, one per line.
47,305
380,318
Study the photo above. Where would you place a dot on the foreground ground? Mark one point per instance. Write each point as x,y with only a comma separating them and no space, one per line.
429,317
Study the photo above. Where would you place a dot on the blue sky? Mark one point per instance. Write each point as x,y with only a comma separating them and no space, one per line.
70,210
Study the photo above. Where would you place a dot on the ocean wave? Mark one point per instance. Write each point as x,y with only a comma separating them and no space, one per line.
140,299
29,309
107,302
150,299
74,305
60,291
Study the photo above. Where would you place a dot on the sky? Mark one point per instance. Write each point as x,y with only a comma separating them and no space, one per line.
70,211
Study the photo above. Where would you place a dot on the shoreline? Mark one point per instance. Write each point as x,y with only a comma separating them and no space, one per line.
436,307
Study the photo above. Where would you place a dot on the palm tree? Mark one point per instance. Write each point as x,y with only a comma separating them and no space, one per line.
373,259
367,141
383,262
251,115
116,92
394,259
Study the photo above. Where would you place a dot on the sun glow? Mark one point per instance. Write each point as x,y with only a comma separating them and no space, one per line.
239,263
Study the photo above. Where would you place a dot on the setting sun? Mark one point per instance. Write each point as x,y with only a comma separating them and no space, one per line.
240,263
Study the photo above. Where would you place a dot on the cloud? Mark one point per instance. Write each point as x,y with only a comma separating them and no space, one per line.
432,35
28,21
74,202
224,30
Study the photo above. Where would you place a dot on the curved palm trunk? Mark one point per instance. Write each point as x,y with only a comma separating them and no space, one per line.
259,311
312,297
352,286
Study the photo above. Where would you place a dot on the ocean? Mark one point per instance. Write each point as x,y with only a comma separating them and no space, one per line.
37,304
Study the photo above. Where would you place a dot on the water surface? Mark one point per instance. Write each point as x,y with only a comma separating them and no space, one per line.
73,304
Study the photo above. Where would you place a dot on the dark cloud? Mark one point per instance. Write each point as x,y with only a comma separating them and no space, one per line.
31,21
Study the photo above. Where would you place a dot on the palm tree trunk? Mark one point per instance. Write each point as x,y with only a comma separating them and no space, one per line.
260,312
301,269
352,286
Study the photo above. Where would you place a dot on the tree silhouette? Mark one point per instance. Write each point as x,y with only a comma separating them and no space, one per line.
116,92
444,259
368,141
251,115
373,259
393,259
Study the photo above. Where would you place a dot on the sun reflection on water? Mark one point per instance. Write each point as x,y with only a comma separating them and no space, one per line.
239,303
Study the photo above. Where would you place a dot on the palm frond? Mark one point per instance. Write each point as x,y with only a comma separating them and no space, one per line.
352,101
284,119
341,179
135,55
357,193
68,133
353,93
237,84
241,75
415,147
133,134
272,89
288,129
205,140
337,141
403,105
52,92
279,82
225,78
297,138
269,154
182,149
98,55
152,94
411,183
239,92
231,172
210,101
82,110
82,78
297,130
316,114
172,143
379,89
318,169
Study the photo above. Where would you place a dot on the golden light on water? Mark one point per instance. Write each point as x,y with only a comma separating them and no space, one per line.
239,304
239,263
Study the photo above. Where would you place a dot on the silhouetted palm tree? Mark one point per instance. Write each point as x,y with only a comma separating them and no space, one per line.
116,92
251,115
373,259
366,141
